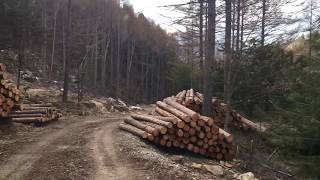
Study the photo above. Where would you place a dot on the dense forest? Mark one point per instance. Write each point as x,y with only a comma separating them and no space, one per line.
109,49
247,52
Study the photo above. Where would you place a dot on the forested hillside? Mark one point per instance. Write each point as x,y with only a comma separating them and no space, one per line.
109,49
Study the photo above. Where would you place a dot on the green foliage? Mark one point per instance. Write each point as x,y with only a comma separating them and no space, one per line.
259,77
183,76
273,86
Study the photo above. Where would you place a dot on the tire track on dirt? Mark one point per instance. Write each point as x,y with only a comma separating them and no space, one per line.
108,164
20,163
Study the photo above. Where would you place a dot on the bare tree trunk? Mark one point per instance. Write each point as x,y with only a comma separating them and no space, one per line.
227,61
152,84
311,29
263,25
104,62
210,58
238,25
112,46
112,62
201,34
146,87
21,56
233,27
158,77
118,61
64,54
67,62
95,64
44,35
242,26
129,66
54,38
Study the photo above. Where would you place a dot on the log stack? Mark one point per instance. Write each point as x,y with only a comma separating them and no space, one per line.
237,120
194,100
9,93
34,113
177,126
191,99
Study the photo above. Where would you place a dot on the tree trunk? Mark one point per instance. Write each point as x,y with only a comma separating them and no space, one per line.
54,39
118,60
129,65
210,58
242,26
238,25
311,29
95,64
104,62
227,61
201,34
44,35
67,62
263,25
64,53
233,26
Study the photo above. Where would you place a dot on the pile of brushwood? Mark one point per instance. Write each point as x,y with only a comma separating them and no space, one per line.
176,122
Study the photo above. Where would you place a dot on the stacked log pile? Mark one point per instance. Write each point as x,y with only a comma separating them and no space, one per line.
191,99
194,101
34,113
237,120
177,126
9,93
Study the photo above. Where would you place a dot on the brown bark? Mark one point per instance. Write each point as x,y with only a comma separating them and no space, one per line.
173,120
161,129
3,67
209,121
182,108
42,111
27,120
152,120
67,60
40,105
210,58
227,136
25,115
174,111
134,130
252,125
227,60
162,112
142,126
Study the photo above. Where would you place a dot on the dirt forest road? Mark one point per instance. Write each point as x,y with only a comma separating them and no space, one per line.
92,147
83,149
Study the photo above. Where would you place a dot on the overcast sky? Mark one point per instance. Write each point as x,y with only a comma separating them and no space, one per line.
153,9
163,16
